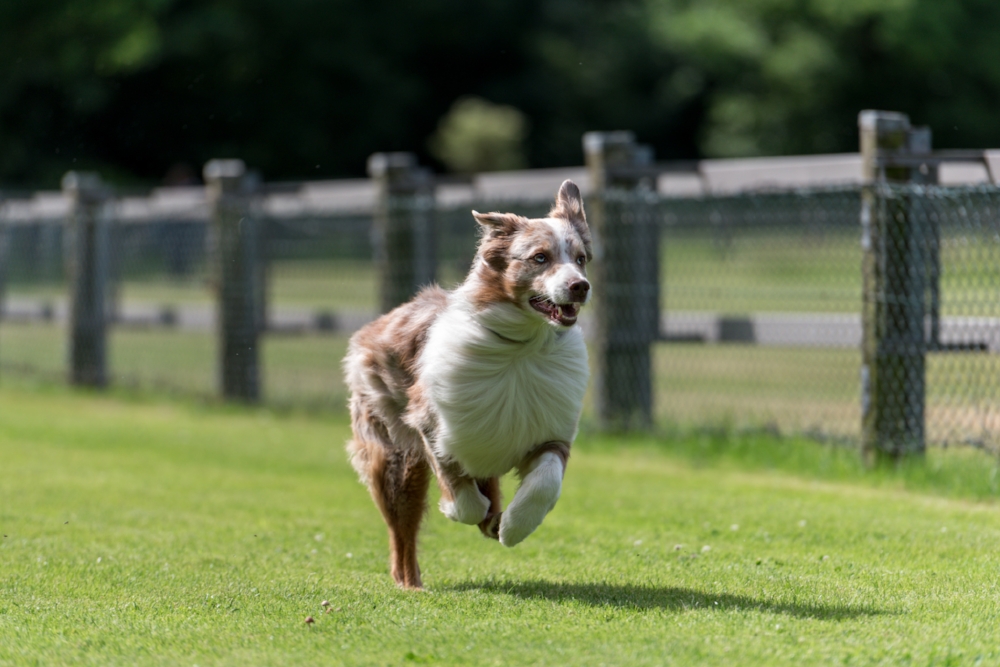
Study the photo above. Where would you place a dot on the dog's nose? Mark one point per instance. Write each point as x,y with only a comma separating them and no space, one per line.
578,290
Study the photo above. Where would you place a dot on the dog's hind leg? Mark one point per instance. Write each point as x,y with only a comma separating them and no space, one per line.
541,483
398,479
403,490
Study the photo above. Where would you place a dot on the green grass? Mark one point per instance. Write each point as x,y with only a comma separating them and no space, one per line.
762,272
781,271
299,370
816,390
744,386
157,532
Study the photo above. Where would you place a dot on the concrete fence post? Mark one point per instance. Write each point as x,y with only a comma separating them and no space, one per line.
88,224
403,234
901,269
626,279
234,253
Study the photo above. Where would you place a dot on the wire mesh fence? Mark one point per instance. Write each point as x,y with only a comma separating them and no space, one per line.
932,295
761,311
35,297
751,308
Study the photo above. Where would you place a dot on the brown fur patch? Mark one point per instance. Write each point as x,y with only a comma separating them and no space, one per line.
391,345
493,257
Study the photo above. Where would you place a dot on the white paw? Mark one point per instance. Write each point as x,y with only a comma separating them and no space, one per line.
535,498
469,506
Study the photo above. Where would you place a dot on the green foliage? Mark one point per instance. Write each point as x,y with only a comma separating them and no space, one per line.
477,135
785,76
58,64
302,89
157,533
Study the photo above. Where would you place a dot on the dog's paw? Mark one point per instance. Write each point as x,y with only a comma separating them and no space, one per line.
469,506
490,526
520,521
534,499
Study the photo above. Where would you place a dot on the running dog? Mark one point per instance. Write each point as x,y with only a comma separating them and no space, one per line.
472,383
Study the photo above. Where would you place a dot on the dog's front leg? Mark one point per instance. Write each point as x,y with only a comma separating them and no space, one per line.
541,483
461,499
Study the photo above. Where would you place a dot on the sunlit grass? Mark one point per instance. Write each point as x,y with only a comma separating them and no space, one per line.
152,532
761,273
295,370
792,389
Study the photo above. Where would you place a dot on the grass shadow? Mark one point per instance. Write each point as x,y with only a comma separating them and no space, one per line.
663,597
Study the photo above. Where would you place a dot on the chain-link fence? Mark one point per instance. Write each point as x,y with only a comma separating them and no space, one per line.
156,296
319,274
932,296
32,330
768,309
778,310
761,311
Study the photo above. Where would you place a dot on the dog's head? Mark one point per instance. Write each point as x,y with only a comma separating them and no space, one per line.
538,264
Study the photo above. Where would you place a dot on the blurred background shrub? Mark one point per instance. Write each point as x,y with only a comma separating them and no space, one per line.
477,135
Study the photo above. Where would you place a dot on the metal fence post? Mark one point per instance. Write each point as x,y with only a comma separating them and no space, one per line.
87,222
403,235
235,256
901,268
626,278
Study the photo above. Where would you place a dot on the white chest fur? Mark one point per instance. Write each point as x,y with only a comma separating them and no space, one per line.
497,399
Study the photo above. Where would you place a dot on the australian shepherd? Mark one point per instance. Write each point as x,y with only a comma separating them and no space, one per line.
473,383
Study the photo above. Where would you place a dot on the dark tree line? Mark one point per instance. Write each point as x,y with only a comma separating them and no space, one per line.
309,88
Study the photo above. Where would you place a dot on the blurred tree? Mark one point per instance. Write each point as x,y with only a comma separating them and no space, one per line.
789,76
59,63
477,135
297,88
309,88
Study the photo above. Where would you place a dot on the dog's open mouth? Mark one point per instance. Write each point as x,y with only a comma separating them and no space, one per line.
563,313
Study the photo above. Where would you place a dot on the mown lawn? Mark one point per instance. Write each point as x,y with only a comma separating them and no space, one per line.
295,370
151,532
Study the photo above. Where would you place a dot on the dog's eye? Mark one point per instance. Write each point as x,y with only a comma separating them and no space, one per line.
540,258
581,260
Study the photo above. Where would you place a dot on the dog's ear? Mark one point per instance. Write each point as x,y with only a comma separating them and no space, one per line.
498,232
498,224
569,203
569,206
